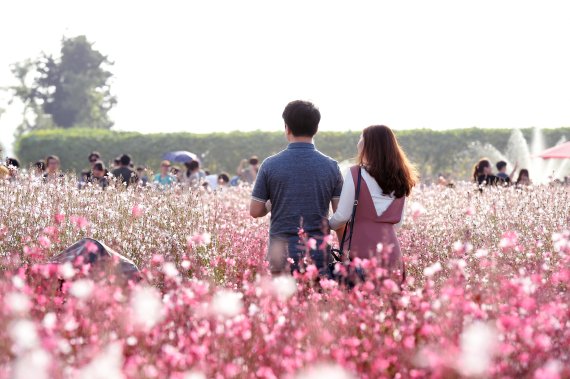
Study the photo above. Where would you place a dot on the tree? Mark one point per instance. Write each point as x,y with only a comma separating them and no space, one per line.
70,90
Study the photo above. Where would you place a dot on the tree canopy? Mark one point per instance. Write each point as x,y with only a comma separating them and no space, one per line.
69,90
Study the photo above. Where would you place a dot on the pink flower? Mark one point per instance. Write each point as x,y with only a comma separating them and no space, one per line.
312,271
508,240
44,242
138,210
312,244
417,210
79,222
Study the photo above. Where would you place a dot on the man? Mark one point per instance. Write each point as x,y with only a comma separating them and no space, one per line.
502,168
247,174
124,174
298,186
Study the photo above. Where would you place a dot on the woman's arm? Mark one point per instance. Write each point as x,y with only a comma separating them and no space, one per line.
345,204
399,225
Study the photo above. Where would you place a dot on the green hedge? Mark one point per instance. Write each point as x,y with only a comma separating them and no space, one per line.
433,152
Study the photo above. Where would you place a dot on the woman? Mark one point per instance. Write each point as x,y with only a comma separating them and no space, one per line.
99,175
482,173
52,168
387,179
524,178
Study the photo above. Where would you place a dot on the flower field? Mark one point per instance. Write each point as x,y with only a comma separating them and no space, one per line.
486,294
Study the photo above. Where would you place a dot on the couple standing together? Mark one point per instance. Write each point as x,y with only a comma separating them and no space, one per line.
299,185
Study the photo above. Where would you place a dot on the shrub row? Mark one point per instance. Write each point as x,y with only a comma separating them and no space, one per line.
433,152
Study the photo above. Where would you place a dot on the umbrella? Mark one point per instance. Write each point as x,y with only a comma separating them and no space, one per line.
95,252
561,151
180,156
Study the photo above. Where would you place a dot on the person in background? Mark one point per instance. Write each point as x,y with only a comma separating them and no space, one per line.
4,172
524,178
124,174
483,174
248,173
93,158
194,175
387,179
116,163
178,174
12,162
223,180
39,168
142,176
502,172
99,175
298,186
14,166
52,168
164,178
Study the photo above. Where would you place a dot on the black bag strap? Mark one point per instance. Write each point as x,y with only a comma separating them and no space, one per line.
350,222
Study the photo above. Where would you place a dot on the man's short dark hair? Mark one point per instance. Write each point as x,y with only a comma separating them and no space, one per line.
253,160
193,165
40,165
125,159
501,165
224,177
12,162
302,117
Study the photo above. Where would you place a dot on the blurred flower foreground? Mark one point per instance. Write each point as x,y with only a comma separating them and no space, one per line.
487,293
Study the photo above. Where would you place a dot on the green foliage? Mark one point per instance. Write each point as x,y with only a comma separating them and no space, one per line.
433,152
67,91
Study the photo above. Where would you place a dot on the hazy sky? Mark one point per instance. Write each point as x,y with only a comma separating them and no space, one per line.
218,65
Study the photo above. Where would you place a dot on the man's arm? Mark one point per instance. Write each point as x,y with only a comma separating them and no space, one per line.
260,195
257,208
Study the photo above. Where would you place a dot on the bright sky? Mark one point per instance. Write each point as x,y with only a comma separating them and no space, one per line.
222,65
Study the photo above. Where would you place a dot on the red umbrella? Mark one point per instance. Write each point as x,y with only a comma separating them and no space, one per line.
561,151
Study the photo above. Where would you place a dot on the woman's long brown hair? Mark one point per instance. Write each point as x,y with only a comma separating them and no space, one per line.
386,162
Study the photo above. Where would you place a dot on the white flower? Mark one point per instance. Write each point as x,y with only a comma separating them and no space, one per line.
481,253
23,334
146,304
82,288
107,365
284,286
478,343
49,320
169,269
431,270
324,370
194,375
18,282
33,364
17,302
66,270
227,303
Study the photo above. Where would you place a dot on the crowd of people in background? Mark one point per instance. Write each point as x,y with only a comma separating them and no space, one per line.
483,174
191,174
124,172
